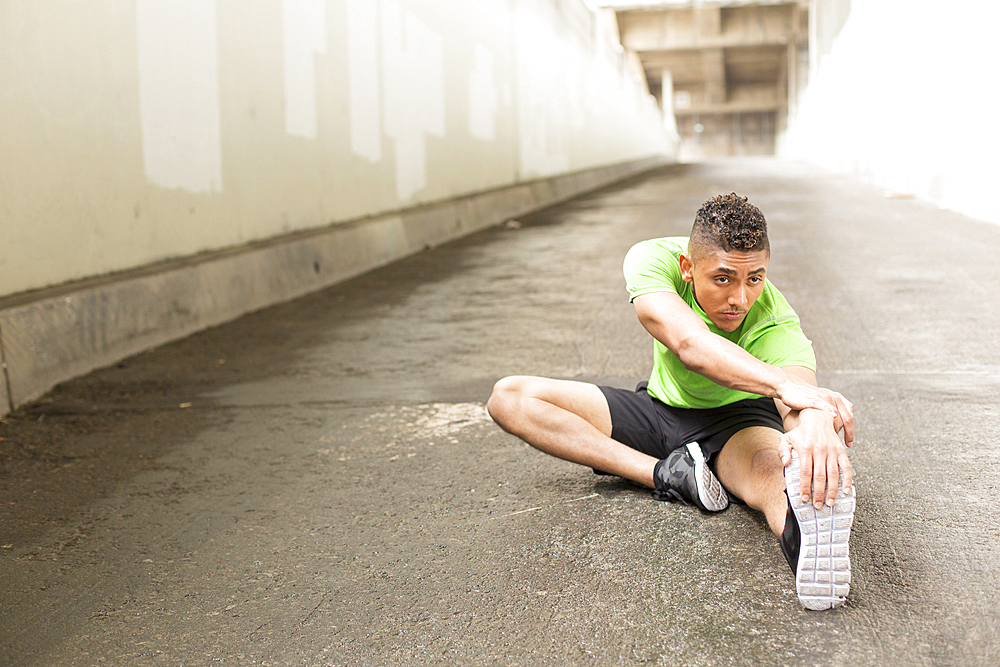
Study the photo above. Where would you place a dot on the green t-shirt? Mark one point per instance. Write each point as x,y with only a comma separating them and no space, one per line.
770,331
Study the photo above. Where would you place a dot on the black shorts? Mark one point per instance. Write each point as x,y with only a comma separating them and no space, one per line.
655,428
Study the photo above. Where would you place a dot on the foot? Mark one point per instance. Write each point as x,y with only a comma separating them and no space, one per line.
815,544
684,476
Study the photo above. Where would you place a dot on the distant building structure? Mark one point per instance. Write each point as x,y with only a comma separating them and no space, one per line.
729,71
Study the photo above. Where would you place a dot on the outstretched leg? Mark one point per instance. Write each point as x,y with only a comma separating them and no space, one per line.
814,541
569,420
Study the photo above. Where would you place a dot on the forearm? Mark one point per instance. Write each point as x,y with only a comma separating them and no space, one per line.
731,366
672,322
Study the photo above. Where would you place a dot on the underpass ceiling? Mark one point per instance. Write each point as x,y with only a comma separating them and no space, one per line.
755,42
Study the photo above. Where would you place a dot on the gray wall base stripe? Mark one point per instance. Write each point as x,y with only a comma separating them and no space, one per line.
6,404
50,340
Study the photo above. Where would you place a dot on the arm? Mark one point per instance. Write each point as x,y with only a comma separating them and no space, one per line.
822,457
672,322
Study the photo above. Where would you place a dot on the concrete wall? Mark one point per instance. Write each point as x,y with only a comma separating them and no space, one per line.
905,94
172,164
136,131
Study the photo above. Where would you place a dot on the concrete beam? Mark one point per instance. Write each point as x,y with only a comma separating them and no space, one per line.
752,106
707,21
745,64
720,42
57,334
715,27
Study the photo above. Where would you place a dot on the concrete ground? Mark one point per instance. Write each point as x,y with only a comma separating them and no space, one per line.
319,484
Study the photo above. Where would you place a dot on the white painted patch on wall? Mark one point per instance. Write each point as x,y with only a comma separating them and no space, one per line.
304,30
543,90
178,57
413,92
482,95
364,79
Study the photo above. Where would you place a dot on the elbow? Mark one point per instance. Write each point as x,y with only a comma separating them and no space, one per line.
686,342
687,351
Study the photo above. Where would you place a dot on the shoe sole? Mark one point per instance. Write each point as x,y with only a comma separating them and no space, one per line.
823,573
710,491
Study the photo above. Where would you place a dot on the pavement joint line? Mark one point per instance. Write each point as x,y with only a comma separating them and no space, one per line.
574,500
849,371
530,509
535,509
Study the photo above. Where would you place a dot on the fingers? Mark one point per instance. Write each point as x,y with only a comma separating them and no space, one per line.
846,471
832,479
784,450
845,410
806,473
819,477
827,472
820,472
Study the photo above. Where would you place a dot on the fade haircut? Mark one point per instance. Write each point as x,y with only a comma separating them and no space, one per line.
728,223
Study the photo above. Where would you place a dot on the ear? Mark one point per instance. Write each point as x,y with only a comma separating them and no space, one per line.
687,268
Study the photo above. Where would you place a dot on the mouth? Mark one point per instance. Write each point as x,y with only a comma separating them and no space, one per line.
733,315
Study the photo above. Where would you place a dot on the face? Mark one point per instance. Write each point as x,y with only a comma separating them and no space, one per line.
725,284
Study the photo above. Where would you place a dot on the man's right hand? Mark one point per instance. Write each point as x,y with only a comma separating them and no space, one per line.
798,394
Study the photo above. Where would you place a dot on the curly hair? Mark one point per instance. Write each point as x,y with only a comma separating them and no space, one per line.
729,223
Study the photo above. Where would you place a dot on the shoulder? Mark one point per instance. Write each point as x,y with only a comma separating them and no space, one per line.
662,250
774,302
667,244
771,309
652,266
772,332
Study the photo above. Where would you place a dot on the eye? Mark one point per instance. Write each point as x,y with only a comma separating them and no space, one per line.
722,280
756,280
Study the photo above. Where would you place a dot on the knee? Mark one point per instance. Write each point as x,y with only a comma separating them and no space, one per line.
767,477
767,464
506,396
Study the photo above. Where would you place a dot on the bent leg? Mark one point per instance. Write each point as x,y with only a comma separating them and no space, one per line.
569,420
750,468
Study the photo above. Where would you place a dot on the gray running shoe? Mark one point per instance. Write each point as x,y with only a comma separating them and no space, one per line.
815,544
684,476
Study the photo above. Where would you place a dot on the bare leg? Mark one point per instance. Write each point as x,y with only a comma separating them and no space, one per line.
749,467
570,420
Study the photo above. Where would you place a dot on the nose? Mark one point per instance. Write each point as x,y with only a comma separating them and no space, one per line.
738,297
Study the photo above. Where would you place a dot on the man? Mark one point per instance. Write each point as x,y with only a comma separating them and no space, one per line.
732,398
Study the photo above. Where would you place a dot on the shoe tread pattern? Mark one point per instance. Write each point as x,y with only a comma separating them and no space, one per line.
823,574
713,497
